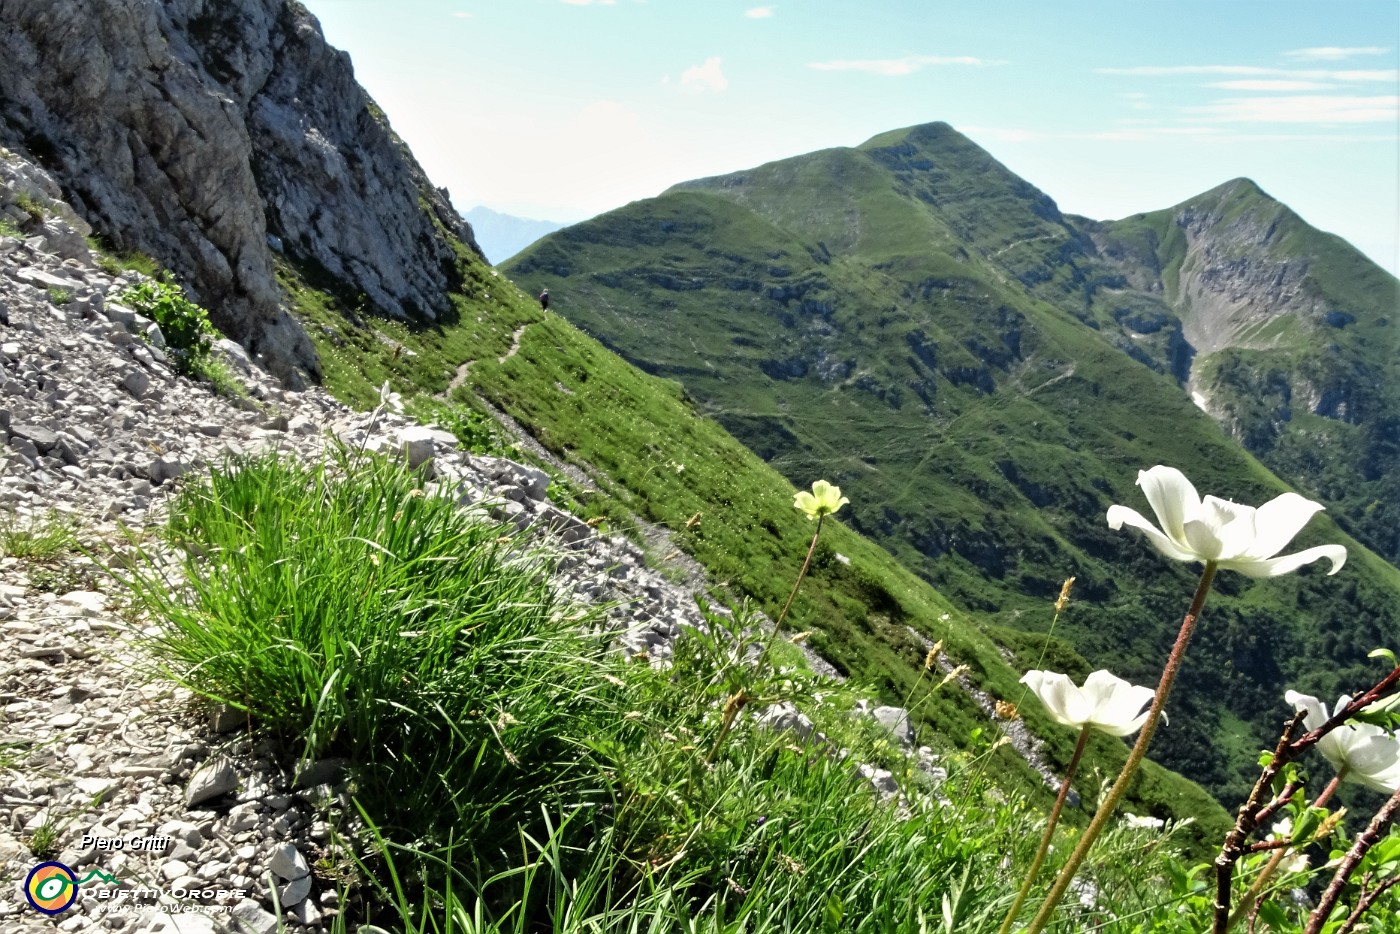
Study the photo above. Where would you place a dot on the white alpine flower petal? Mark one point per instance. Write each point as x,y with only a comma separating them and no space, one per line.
1105,702
1053,690
1273,567
1203,539
1234,536
1172,497
1282,518
1360,752
1119,516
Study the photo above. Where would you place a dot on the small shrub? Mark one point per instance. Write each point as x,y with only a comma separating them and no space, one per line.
60,296
186,327
476,431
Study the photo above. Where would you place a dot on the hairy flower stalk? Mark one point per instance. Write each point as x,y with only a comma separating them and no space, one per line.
1219,534
1139,751
818,504
1049,834
824,500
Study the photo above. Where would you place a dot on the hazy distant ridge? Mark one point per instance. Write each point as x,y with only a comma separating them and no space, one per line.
501,236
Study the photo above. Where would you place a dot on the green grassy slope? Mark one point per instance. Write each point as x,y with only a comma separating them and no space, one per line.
901,335
655,455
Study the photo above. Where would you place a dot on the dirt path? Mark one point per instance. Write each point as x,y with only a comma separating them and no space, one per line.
460,376
457,381
515,343
1011,246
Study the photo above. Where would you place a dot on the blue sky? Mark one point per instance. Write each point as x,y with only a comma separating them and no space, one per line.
561,109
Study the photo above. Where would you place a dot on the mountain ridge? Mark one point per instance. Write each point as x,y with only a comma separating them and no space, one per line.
979,367
501,236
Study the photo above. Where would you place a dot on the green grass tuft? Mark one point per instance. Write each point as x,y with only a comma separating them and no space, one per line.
38,539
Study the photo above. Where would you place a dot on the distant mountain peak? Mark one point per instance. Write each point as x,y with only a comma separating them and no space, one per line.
501,236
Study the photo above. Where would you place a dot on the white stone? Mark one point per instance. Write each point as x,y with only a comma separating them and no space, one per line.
288,863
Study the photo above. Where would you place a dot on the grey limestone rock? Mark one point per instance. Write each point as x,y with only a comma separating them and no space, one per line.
215,779
295,891
896,721
136,382
195,131
252,919
44,440
288,863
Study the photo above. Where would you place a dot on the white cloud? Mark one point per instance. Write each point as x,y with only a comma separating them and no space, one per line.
1247,71
1391,75
1142,131
461,15
589,2
1314,108
759,12
1271,84
898,67
1333,53
1155,70
706,77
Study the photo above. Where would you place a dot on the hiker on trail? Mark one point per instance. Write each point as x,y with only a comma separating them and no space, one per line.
544,300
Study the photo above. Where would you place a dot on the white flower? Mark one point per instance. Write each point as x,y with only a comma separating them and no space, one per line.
1105,702
1294,862
1237,537
390,400
1362,752
1143,823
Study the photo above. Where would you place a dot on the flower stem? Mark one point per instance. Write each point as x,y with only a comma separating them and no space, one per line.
811,549
768,644
741,698
1049,832
1120,787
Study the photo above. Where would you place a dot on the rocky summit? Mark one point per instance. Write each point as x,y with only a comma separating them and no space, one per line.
124,771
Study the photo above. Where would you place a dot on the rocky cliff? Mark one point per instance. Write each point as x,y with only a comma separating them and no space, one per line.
210,134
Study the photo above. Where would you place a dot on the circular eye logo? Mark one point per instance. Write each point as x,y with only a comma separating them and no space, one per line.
51,888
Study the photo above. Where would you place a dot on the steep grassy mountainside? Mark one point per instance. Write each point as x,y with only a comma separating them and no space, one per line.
185,131
915,322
